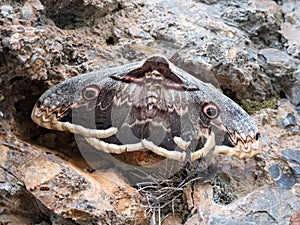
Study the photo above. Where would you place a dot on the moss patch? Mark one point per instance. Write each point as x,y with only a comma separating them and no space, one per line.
252,106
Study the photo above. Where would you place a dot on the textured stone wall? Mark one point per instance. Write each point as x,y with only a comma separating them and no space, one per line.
247,48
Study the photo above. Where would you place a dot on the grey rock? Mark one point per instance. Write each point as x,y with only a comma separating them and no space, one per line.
291,156
242,46
269,203
286,181
296,130
282,70
289,120
265,206
283,180
247,61
291,33
276,57
5,10
67,14
293,93
37,5
297,108
291,11
275,171
199,68
290,28
28,11
295,170
234,45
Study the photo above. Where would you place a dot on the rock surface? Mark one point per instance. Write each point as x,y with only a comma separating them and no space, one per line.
249,49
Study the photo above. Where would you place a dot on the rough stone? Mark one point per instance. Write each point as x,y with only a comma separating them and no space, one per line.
274,171
263,206
294,92
222,44
292,157
289,120
286,181
291,33
295,170
6,10
63,190
246,48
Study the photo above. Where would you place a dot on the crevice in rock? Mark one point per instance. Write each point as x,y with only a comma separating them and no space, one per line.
66,15
19,104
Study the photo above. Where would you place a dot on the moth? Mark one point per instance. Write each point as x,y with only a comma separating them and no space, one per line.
150,105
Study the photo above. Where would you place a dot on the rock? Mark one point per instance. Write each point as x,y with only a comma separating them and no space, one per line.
297,108
276,57
282,69
275,171
291,11
267,200
289,120
292,157
258,206
65,14
296,170
37,5
228,58
291,33
63,191
235,45
5,10
294,92
290,30
31,8
295,219
28,11
286,181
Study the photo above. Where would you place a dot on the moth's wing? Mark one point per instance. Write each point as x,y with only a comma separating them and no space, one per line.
232,118
57,102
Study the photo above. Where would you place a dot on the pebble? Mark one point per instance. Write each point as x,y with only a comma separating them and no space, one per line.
274,171
284,180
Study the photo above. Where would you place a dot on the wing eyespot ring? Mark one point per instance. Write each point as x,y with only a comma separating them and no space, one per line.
210,110
90,92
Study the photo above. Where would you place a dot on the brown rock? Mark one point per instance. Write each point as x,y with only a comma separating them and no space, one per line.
68,191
